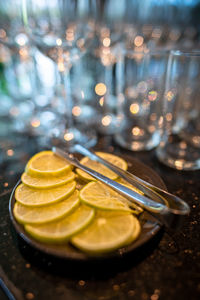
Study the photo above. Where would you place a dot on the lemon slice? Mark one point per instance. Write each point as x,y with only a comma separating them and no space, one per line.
107,232
61,230
115,160
32,197
46,182
46,163
40,215
98,195
135,234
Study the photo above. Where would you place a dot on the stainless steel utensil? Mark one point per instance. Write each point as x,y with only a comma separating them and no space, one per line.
171,214
147,188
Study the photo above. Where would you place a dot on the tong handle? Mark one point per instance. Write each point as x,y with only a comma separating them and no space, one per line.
176,205
121,189
161,212
132,179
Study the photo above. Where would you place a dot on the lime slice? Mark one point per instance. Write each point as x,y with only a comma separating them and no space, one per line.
32,197
46,182
107,232
40,215
115,160
46,163
61,230
98,195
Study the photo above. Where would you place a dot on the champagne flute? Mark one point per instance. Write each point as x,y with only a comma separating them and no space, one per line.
63,30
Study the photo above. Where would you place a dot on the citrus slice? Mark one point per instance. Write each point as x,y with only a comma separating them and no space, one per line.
32,197
136,232
46,163
61,230
99,195
46,182
40,215
107,232
115,160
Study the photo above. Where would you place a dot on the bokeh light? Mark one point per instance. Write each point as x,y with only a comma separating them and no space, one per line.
106,120
138,41
134,108
100,89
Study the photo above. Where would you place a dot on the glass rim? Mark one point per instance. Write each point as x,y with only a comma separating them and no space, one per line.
194,53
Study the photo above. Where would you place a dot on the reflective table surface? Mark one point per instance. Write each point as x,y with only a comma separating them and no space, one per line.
167,267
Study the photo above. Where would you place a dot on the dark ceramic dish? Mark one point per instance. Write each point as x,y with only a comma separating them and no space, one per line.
149,225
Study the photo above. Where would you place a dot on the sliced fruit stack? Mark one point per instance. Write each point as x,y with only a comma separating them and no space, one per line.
53,209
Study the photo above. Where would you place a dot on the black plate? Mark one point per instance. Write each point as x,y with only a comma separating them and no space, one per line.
149,225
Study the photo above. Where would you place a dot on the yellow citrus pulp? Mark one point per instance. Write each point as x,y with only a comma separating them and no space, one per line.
95,219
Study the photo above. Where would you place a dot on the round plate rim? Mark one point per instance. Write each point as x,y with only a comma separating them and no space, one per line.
78,255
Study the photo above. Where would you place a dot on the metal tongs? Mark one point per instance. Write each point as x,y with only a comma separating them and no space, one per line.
168,209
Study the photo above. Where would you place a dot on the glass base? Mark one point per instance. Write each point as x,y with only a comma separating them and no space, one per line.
72,136
128,141
173,159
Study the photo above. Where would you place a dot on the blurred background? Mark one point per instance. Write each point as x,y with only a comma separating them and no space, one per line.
64,91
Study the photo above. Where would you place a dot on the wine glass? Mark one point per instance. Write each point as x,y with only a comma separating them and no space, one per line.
16,90
63,30
111,30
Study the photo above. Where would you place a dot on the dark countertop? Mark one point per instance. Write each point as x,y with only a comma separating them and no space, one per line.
167,267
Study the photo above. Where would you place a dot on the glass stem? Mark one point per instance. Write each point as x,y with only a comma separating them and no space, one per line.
67,97
108,82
